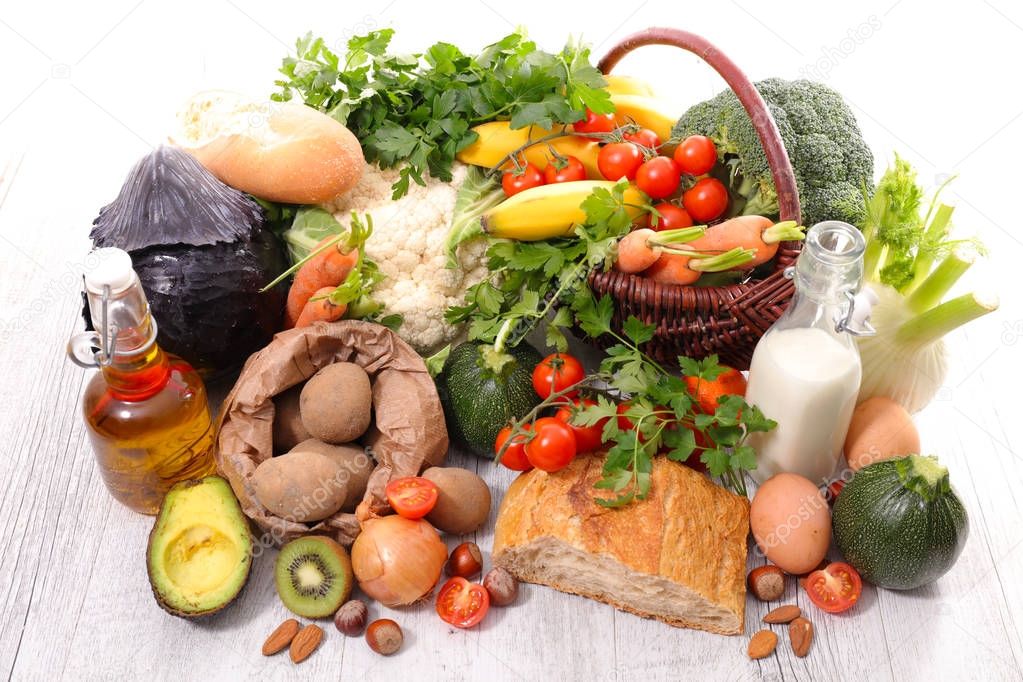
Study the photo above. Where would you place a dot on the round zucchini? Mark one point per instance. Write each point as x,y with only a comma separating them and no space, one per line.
900,523
482,389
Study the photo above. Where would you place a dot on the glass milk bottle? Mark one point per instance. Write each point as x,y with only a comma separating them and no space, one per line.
146,410
805,372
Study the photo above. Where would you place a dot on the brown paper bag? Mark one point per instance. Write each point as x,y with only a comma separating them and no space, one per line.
407,435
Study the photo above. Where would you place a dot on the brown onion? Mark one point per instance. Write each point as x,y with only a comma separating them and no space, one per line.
397,561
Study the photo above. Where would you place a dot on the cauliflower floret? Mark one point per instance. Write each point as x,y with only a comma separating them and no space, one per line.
408,244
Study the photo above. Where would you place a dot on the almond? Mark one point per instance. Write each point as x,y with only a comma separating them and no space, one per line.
762,644
800,636
783,614
305,643
280,638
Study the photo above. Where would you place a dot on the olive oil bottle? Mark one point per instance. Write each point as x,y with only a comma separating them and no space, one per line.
146,410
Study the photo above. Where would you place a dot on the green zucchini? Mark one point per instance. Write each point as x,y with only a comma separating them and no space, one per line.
481,389
900,523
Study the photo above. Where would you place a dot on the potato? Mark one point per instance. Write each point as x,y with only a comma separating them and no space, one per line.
463,504
353,458
300,486
289,430
337,402
880,429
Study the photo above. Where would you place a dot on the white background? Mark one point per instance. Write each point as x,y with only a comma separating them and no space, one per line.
88,89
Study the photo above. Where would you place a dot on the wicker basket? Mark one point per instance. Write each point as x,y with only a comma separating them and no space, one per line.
700,321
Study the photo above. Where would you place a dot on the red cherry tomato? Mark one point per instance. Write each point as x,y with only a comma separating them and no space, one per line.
835,588
644,137
659,177
706,200
587,438
553,447
618,160
595,123
834,488
696,155
729,382
672,217
555,373
571,169
462,603
515,456
412,497
517,180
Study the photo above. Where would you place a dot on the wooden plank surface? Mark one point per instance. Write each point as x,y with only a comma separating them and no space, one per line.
74,596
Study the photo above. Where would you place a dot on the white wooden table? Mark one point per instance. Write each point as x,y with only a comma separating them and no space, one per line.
87,90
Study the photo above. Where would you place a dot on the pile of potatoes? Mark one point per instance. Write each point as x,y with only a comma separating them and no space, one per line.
318,468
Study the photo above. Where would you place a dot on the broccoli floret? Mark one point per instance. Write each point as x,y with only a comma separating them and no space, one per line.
832,163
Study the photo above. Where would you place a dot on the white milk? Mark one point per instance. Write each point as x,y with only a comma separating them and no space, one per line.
807,381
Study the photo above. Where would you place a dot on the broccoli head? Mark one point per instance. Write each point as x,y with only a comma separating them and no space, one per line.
832,163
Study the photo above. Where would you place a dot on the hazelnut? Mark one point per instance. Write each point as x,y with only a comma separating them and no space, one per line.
350,619
502,586
767,583
465,561
384,636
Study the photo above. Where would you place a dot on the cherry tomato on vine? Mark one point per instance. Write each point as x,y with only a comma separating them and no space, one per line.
515,456
570,169
555,373
595,123
834,588
645,137
462,603
553,447
587,438
519,179
706,200
412,497
672,217
696,155
618,160
659,177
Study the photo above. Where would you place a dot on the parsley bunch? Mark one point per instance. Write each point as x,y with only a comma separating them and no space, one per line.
417,110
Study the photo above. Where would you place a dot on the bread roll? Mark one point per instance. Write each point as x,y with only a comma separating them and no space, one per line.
678,556
278,151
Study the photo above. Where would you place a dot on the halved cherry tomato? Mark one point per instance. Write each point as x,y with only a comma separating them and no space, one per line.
696,155
672,216
659,177
834,588
587,438
645,137
618,160
570,169
412,497
707,393
595,123
553,447
555,373
462,603
515,456
706,200
519,179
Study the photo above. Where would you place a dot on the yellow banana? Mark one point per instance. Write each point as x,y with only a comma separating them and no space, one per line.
627,85
497,140
649,112
549,211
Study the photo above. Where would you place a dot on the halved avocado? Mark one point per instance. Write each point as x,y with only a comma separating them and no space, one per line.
200,549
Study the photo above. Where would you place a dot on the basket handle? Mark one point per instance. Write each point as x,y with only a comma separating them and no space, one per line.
763,122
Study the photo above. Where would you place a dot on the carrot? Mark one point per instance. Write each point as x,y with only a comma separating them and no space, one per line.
320,307
677,267
641,248
749,232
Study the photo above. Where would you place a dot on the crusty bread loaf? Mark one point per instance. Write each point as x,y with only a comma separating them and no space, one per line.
285,152
678,556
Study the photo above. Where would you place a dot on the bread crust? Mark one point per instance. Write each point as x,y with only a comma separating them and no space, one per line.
688,531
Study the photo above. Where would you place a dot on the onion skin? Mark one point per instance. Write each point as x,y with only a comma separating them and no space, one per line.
397,561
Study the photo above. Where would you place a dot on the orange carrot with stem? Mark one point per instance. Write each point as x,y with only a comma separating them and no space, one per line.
680,267
754,232
320,307
640,249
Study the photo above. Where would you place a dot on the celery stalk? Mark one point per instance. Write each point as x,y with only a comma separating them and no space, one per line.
933,288
936,232
929,326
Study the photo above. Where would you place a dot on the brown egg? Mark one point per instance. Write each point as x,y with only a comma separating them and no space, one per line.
791,523
880,429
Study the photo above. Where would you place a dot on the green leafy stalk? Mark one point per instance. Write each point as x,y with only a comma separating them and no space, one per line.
938,283
929,326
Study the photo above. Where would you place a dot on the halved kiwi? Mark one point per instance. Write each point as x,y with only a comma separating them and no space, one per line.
314,576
